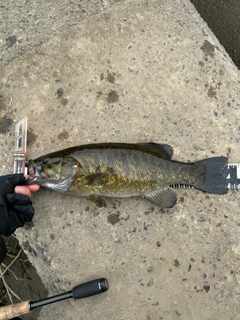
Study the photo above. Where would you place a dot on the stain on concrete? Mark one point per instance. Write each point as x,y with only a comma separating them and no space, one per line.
112,96
64,102
63,136
99,93
110,78
113,218
31,137
176,263
5,124
212,92
52,236
221,72
208,49
2,104
11,41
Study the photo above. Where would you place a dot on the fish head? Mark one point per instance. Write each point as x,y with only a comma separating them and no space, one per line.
54,173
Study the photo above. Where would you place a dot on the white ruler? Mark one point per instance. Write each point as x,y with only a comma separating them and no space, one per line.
233,177
20,144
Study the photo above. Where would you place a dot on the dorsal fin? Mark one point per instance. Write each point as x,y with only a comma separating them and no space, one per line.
163,151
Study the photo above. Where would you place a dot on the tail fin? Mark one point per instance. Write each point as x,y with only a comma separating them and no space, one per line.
214,178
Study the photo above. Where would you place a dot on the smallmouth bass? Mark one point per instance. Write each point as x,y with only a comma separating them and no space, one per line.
125,170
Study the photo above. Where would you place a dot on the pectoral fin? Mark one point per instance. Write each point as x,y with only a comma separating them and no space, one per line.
164,198
98,200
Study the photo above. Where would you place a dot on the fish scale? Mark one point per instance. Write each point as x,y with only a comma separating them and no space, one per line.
124,169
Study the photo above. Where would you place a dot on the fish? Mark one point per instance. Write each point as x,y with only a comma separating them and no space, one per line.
125,170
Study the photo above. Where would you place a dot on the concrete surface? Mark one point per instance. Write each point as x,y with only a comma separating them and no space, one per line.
140,71
26,24
223,18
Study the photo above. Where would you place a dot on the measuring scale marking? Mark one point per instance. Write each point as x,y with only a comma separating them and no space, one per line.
232,177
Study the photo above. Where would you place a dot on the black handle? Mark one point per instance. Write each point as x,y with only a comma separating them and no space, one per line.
90,288
81,291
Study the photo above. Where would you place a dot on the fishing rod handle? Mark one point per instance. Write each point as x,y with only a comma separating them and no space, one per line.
14,310
90,288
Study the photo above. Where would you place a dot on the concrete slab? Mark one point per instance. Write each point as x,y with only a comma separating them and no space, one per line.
27,24
141,71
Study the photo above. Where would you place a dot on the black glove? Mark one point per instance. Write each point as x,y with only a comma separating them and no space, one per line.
15,209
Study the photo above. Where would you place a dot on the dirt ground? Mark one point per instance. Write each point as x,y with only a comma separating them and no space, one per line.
20,279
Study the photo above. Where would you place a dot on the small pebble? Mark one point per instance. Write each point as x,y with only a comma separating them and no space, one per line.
201,219
220,295
118,241
150,282
178,313
59,93
206,286
158,243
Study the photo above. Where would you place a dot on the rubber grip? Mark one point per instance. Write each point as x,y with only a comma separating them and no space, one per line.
14,310
90,288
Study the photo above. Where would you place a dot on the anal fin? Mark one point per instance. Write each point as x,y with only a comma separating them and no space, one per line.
164,198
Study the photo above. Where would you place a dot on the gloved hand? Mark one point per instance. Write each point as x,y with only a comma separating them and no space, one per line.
15,209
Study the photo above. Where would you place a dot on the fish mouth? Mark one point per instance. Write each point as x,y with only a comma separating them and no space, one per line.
31,168
33,171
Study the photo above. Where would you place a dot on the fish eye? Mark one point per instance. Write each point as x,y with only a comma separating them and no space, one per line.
44,161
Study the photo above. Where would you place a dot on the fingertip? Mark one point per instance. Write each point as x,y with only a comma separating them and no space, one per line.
23,190
33,187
